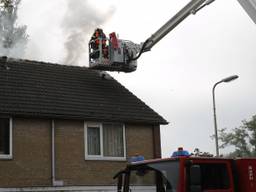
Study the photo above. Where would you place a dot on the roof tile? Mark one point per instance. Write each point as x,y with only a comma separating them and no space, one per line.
31,88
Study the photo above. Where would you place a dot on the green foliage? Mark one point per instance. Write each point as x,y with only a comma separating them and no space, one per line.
242,138
12,35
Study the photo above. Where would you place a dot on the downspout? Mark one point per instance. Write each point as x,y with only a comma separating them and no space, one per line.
55,182
53,153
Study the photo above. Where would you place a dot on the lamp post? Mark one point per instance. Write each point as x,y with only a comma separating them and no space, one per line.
225,80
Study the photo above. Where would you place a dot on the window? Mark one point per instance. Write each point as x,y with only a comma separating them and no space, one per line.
214,176
105,141
5,138
93,140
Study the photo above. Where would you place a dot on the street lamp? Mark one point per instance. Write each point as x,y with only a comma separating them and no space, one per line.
225,80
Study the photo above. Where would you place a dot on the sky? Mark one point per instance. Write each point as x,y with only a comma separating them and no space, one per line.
176,77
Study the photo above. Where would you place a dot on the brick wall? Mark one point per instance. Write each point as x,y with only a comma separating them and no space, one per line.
139,140
31,163
71,165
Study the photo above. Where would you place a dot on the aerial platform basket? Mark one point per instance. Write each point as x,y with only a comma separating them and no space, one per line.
109,54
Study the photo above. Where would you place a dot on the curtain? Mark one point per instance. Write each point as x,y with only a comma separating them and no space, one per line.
93,140
113,141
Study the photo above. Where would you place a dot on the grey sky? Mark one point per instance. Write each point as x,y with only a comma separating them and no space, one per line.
177,76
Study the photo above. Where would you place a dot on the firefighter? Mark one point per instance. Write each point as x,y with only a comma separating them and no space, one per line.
104,43
105,48
95,42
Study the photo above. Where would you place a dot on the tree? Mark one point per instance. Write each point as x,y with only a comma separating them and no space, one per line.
242,138
13,37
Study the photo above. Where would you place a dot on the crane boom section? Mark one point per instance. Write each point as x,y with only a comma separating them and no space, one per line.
250,7
190,8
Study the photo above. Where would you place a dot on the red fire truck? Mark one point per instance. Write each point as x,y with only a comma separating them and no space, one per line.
189,174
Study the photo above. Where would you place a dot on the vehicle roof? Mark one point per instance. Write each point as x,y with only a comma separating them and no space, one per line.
178,158
135,165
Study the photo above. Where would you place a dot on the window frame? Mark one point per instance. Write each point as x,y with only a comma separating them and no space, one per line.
101,156
10,155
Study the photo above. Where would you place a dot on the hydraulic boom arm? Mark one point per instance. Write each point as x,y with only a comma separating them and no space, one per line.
113,54
191,8
250,7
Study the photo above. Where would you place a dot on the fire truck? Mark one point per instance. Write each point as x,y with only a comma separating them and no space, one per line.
113,54
185,173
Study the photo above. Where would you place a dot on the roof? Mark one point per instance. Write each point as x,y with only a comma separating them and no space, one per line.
195,158
31,88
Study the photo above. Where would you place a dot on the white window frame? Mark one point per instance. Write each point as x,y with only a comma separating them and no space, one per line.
101,156
10,155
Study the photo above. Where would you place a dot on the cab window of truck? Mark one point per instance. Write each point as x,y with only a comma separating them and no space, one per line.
214,176
145,176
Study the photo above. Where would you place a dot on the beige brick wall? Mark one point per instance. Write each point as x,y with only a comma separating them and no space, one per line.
139,140
71,165
31,165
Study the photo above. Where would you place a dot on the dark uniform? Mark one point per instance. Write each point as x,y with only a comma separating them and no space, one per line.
98,36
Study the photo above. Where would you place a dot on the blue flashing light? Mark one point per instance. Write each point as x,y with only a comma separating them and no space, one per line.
180,153
136,158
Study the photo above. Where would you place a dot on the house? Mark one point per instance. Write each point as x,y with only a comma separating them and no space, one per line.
68,127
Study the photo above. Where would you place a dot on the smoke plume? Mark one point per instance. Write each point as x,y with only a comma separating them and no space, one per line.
78,25
13,37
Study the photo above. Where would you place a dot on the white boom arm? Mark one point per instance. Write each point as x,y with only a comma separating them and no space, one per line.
191,8
250,7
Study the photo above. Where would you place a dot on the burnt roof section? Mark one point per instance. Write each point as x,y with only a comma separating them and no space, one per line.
31,88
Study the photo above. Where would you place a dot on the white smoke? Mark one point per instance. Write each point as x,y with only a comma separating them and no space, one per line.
13,37
78,25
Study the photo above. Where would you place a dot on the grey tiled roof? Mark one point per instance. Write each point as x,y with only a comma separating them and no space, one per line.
31,88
